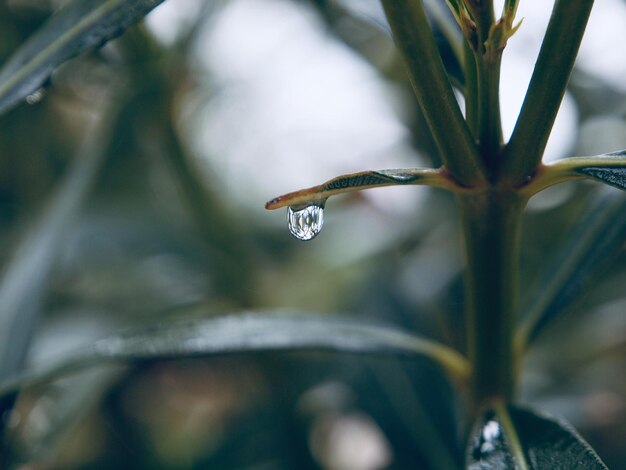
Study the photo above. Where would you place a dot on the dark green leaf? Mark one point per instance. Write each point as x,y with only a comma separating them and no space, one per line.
81,25
515,438
246,333
609,168
613,176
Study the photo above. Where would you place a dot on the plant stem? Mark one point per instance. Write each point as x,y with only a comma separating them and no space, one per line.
483,14
454,140
471,89
483,68
489,122
491,230
547,86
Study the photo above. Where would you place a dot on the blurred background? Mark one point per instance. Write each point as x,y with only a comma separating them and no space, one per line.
206,111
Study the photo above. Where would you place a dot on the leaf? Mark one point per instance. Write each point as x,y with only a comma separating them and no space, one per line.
244,334
62,408
516,438
599,233
615,177
81,25
608,168
26,274
370,12
363,180
447,34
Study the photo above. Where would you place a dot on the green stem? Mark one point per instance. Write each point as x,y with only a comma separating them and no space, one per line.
483,14
547,86
432,88
486,71
471,89
491,229
489,122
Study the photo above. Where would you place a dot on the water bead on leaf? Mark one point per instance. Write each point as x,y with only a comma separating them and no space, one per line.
305,223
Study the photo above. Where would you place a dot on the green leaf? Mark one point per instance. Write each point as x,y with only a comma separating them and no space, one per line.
609,168
26,274
245,334
363,180
81,25
613,176
516,438
599,233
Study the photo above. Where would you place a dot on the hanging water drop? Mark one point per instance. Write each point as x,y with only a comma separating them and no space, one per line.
305,223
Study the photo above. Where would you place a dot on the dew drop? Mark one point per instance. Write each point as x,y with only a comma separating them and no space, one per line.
489,437
488,442
305,223
36,96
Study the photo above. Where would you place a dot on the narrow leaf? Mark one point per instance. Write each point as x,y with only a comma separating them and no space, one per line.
599,233
520,439
363,180
81,25
26,274
245,334
609,168
615,177
370,12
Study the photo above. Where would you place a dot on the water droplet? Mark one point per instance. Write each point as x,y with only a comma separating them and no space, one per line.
36,96
489,437
305,223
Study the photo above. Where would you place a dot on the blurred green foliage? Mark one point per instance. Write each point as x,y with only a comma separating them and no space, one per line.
157,238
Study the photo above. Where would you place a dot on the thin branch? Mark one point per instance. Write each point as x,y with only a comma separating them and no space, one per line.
547,86
454,140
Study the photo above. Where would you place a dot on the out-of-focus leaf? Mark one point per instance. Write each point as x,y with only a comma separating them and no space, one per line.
369,11
520,439
26,274
246,333
412,411
446,31
80,25
61,411
600,232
